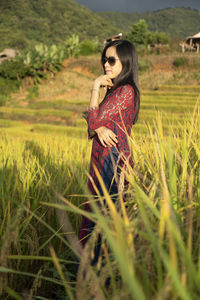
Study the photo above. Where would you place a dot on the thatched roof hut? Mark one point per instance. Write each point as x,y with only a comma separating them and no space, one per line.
191,43
8,54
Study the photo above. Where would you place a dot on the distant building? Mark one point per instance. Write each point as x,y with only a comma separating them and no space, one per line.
191,43
113,38
8,54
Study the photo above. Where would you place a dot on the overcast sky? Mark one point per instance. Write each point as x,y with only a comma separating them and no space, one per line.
137,5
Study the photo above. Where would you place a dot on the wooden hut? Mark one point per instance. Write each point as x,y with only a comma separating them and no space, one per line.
113,38
191,43
8,54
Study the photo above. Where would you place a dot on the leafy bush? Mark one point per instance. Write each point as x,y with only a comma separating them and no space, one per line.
180,61
8,85
158,38
36,64
139,33
33,92
88,47
43,60
13,69
40,62
140,36
72,46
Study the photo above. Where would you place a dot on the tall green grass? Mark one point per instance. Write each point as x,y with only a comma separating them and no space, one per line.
30,170
151,242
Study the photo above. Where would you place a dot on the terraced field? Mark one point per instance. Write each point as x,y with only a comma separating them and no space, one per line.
174,103
44,148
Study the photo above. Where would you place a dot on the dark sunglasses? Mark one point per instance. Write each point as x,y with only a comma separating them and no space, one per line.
111,60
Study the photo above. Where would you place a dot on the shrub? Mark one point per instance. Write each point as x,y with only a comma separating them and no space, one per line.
38,63
180,61
43,59
33,92
13,69
158,38
88,47
72,46
8,85
139,33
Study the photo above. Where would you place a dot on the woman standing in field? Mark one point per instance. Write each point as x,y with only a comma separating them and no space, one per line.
110,122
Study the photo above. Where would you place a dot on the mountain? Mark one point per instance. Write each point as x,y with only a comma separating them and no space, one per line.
178,22
26,22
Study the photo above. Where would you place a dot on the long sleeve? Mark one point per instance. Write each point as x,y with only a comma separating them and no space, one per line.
119,100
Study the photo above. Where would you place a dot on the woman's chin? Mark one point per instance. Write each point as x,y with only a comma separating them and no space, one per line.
110,75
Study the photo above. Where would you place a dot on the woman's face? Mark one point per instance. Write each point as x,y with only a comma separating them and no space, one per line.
112,70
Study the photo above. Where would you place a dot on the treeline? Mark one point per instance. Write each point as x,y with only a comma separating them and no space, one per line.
177,22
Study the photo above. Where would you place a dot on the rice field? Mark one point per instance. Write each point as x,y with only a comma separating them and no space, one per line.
175,103
150,243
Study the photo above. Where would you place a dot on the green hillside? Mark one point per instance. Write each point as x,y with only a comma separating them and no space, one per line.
177,22
26,22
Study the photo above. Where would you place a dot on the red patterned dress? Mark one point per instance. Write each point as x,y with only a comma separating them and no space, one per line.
116,112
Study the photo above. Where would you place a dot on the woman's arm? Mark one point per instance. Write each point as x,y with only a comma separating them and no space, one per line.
102,80
106,136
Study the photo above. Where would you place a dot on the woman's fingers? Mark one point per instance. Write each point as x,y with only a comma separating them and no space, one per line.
106,136
102,142
109,140
109,81
103,80
105,141
114,138
110,143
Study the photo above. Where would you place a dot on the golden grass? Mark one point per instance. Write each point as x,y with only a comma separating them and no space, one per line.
151,253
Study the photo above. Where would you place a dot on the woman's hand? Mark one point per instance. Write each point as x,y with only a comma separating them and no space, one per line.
102,80
106,136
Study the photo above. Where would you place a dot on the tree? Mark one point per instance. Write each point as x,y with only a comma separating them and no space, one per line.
139,33
158,38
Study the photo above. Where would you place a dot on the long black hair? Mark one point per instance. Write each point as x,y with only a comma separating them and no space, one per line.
129,75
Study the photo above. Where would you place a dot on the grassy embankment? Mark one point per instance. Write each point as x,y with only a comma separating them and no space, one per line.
159,226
